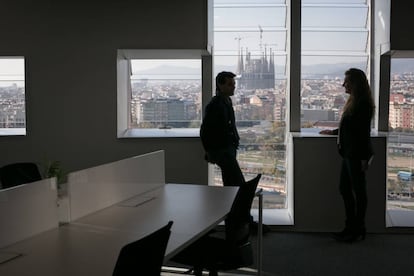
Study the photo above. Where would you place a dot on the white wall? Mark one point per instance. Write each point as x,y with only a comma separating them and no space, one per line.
70,49
380,46
382,14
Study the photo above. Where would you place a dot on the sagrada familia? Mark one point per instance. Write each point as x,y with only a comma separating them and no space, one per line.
256,72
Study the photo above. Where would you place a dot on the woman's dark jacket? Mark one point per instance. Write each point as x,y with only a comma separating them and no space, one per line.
354,140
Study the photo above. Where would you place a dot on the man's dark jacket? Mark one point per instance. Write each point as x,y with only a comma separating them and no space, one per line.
218,129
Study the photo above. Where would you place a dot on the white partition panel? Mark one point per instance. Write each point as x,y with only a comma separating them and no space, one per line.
27,210
95,188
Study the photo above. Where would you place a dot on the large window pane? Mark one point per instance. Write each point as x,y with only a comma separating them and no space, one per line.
401,136
165,93
250,40
334,16
245,16
230,42
335,37
322,94
12,97
335,40
334,2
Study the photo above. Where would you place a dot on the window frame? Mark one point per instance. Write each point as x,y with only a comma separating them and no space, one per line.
124,91
404,216
368,54
23,130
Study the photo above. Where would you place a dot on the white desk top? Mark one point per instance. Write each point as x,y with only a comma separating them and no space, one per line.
195,209
90,245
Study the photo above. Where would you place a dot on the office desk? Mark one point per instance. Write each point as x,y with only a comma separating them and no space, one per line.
90,245
195,210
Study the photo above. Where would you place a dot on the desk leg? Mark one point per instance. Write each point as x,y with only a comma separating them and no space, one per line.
260,236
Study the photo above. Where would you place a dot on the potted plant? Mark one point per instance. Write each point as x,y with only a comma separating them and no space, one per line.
54,169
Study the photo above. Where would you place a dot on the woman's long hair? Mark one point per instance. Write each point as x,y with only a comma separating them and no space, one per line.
361,92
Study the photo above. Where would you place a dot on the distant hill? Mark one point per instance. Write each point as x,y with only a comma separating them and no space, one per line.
309,71
329,70
169,70
400,66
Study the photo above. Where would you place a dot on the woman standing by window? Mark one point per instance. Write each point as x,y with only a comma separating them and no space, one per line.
354,146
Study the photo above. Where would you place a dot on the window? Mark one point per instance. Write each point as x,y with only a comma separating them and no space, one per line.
166,93
250,39
400,184
12,96
335,37
159,93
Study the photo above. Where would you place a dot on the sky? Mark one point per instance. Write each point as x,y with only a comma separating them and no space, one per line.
11,70
338,28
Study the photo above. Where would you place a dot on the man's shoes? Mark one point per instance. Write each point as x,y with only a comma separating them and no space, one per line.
254,228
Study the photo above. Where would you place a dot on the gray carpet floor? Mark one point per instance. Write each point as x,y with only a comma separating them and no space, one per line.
294,254
317,254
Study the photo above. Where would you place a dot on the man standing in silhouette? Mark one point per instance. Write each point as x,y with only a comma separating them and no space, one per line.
219,134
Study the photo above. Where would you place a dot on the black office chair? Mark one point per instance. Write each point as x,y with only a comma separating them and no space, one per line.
234,250
145,256
19,173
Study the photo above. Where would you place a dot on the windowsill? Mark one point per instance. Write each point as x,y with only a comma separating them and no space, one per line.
314,132
274,216
400,218
160,133
309,132
12,131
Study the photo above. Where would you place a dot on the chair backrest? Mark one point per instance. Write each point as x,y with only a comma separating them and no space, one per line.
215,253
145,256
237,222
19,173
